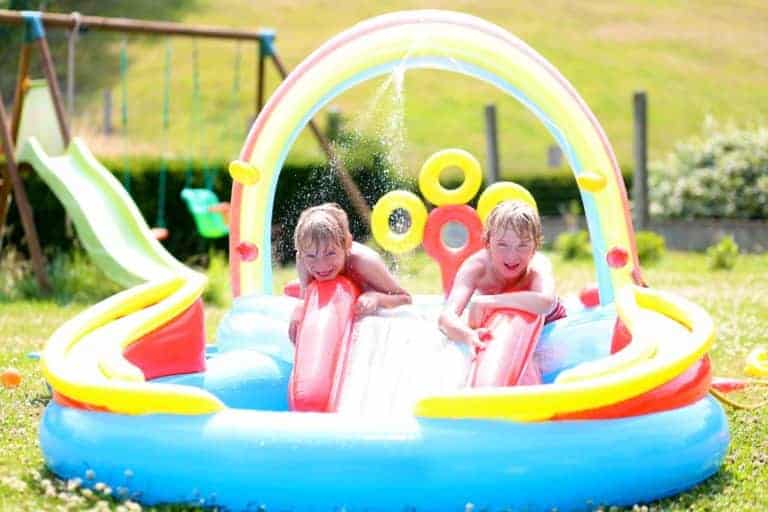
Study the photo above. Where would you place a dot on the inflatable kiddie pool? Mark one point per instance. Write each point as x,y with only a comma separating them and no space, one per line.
622,415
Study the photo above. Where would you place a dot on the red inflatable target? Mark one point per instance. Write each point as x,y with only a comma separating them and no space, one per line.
448,256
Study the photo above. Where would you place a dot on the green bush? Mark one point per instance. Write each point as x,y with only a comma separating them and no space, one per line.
218,291
299,186
74,278
15,269
723,255
650,246
573,245
723,175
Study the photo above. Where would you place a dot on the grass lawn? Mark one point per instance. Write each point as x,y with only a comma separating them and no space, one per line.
736,299
693,61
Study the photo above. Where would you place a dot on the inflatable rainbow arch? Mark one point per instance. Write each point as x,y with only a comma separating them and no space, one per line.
139,403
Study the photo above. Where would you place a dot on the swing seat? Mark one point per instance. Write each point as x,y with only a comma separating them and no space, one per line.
202,204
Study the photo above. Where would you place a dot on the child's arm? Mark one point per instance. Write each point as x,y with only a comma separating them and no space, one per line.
370,301
539,299
296,317
304,277
298,311
533,302
385,291
464,285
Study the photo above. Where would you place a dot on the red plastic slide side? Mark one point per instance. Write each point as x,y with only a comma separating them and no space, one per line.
322,345
507,360
174,348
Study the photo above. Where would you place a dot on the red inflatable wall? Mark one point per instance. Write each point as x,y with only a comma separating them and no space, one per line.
174,348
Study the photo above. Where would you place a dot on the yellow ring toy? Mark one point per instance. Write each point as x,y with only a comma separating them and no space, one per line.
429,177
503,191
757,363
395,242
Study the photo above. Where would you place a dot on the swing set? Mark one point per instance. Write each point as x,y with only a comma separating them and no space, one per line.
209,213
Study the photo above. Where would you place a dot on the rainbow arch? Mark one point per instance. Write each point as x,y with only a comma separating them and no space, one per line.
431,40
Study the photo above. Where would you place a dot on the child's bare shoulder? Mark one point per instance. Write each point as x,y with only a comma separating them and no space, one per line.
361,255
477,263
541,262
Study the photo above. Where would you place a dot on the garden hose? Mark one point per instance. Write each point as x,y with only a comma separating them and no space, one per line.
721,396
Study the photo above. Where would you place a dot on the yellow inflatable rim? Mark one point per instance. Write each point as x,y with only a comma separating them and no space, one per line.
396,242
648,314
84,359
503,191
429,177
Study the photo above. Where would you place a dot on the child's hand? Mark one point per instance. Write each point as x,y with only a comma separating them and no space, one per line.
367,303
479,340
485,335
296,317
479,308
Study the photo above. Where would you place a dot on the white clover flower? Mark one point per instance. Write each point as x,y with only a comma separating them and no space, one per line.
74,484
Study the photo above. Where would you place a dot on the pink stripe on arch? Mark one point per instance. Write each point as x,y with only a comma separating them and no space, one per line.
234,237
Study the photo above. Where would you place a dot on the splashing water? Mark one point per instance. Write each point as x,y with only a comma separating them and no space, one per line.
394,133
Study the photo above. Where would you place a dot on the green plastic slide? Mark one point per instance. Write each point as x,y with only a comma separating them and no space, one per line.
108,222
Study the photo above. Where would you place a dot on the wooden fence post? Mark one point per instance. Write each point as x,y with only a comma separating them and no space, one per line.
640,181
491,145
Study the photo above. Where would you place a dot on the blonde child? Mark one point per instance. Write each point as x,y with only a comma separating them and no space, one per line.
325,250
507,273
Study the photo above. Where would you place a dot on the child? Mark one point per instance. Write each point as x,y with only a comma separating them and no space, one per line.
324,250
507,273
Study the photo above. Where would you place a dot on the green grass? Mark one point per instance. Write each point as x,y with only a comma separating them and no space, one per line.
736,300
692,61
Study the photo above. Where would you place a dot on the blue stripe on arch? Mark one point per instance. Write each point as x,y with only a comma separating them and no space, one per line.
449,64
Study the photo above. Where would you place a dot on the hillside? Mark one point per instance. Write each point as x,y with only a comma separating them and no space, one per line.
692,61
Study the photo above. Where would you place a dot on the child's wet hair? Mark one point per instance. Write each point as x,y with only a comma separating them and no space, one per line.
518,216
325,223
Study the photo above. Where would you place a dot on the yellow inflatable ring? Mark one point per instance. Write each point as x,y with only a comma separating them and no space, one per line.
502,191
429,177
398,243
757,362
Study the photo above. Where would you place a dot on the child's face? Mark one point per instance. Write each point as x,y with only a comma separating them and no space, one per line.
510,254
325,260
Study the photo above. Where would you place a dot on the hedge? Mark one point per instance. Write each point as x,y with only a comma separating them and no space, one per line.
721,174
299,186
